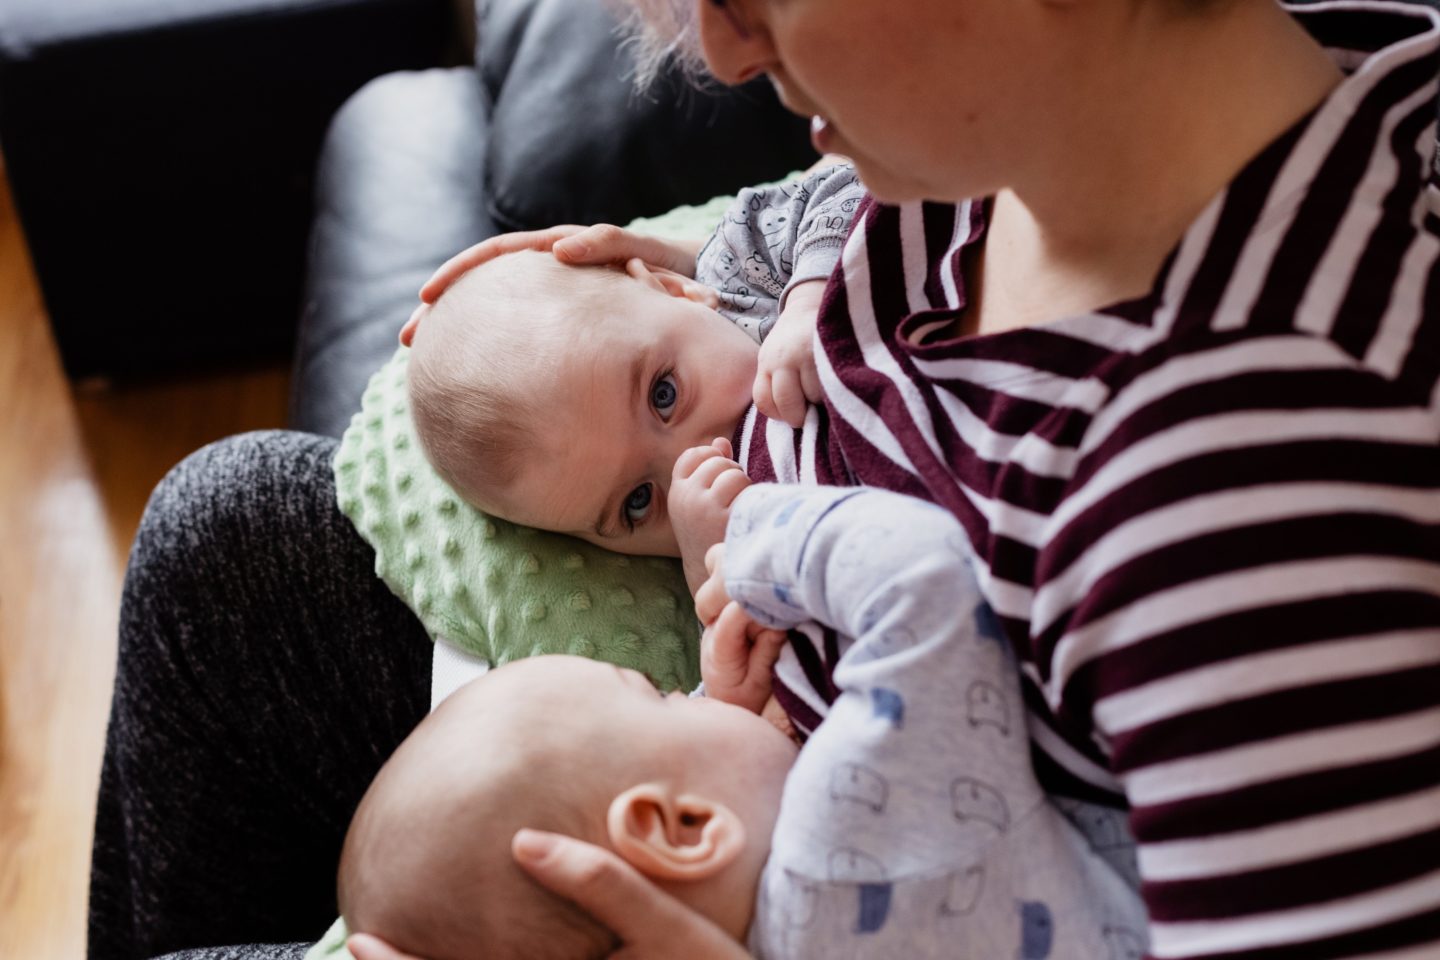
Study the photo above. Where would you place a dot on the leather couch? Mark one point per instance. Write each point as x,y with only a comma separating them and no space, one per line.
546,128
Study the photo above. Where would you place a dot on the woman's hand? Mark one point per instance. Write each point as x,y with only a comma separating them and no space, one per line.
598,244
786,382
651,924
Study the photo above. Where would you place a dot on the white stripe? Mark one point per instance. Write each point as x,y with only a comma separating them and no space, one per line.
1286,191
1239,679
1239,431
1067,756
1261,354
1282,844
912,254
1311,751
808,433
876,351
1228,509
957,239
1018,380
1331,279
746,433
1406,310
1187,260
1031,451
1196,938
1253,588
780,441
1008,520
858,416
1104,331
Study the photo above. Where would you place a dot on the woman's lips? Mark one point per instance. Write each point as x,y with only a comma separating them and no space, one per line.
822,134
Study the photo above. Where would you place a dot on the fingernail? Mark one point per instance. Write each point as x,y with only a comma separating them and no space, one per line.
532,845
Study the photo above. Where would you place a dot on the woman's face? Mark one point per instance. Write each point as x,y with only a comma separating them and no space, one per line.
926,96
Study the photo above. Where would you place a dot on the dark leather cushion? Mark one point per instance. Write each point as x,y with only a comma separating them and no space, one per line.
573,142
399,191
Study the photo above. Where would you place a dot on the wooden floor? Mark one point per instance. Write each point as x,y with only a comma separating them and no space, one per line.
75,471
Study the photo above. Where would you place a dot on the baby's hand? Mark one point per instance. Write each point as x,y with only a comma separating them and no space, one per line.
786,381
736,657
705,482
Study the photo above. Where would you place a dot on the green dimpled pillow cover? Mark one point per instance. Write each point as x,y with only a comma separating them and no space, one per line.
494,589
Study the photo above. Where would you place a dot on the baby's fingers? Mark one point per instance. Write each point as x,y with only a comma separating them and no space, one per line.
810,379
709,471
789,395
692,458
728,486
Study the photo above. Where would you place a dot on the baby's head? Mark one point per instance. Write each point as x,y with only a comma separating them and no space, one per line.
560,397
686,790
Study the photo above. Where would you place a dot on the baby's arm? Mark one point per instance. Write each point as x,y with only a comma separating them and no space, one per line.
913,815
770,259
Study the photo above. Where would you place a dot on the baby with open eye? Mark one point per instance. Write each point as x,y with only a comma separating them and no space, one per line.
563,397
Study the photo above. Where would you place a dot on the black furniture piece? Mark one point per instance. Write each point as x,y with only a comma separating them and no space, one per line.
546,129
162,152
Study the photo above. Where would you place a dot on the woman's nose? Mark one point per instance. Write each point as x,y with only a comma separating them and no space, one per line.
735,49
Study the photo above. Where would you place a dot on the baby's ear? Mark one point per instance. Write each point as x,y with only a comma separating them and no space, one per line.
672,283
674,837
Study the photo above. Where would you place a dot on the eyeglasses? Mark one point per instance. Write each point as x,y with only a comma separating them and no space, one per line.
735,22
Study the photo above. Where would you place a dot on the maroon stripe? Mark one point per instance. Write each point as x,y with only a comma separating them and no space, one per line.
1349,461
1260,391
1360,29
1076,736
1059,781
939,222
1288,798
1239,213
1303,884
1277,626
1418,930
1318,706
1378,266
1422,363
1333,190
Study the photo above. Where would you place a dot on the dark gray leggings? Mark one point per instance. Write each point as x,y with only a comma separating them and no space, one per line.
264,675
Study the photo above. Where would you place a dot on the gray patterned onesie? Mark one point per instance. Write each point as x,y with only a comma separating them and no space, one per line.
912,825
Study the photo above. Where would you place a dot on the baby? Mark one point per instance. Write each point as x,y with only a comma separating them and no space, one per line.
562,397
910,825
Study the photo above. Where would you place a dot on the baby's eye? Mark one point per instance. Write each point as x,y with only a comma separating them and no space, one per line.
637,505
663,396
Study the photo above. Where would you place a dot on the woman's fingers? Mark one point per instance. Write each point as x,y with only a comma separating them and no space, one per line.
651,924
607,243
452,269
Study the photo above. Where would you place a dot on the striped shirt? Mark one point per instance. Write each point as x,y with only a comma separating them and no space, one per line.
1208,518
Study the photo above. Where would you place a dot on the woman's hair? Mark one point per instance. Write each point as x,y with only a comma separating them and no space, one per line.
660,33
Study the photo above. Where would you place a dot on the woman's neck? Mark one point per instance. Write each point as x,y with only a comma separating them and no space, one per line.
1091,223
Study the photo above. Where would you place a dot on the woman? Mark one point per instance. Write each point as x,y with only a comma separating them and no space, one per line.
1177,375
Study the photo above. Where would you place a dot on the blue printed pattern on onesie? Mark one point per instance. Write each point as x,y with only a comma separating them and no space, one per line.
912,823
